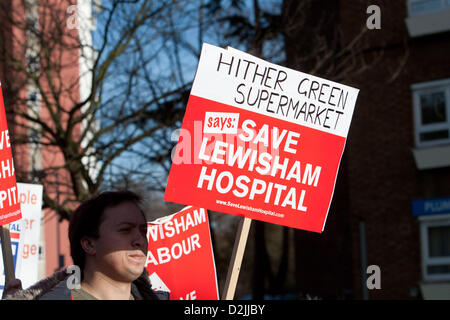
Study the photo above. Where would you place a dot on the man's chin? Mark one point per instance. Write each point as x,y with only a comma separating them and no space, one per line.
135,273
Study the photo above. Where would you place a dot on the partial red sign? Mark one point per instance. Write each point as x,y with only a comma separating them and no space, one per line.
260,140
180,257
9,196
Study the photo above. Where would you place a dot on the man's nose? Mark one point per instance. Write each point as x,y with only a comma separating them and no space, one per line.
139,240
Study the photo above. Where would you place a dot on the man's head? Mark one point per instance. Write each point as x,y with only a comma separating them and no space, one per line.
108,233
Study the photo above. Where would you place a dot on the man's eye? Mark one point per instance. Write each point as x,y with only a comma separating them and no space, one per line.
125,230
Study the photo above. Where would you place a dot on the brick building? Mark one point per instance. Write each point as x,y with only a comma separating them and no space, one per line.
22,54
391,207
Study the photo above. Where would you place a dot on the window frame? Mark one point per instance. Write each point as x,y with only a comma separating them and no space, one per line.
426,222
419,89
444,5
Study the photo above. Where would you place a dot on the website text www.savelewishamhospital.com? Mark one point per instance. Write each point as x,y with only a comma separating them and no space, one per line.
249,208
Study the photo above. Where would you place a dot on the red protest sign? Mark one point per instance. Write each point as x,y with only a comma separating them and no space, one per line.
9,200
260,140
180,257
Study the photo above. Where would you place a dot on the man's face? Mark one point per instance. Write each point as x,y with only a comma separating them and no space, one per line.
121,249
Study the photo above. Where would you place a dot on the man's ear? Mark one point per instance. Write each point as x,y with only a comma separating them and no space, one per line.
88,246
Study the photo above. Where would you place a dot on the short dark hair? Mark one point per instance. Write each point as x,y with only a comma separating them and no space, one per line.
86,219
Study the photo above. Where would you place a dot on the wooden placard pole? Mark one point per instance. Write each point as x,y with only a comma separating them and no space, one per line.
236,258
8,261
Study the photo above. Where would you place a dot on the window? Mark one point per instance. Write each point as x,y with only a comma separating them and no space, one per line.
432,113
427,17
420,7
33,62
435,238
33,100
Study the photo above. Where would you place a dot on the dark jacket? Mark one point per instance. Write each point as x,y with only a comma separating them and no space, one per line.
55,288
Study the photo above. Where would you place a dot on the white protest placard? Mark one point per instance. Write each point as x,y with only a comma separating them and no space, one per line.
17,241
260,140
30,197
25,235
